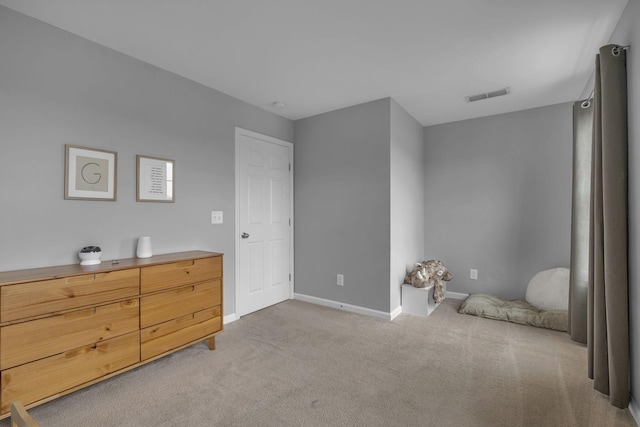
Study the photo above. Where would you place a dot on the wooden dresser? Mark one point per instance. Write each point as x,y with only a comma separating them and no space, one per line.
67,327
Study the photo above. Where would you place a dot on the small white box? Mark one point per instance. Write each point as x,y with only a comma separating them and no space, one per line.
418,301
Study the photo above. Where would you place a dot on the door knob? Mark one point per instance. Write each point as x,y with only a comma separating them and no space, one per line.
245,235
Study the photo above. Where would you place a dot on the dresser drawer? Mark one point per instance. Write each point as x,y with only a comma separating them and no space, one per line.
24,342
37,298
179,302
43,378
166,336
167,276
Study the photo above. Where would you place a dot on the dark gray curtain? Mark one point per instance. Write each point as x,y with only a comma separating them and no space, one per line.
580,209
608,318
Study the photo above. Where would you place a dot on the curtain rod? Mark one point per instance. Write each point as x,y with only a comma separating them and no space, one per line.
616,52
616,49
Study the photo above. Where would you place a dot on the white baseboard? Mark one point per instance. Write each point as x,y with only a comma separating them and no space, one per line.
635,410
229,318
395,313
456,295
347,307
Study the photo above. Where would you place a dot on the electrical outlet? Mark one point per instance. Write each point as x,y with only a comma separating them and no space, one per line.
340,280
216,217
473,274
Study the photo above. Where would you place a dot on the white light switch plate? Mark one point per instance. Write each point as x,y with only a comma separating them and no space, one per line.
216,217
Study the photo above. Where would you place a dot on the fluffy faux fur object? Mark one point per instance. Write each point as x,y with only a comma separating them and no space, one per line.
427,273
436,273
417,277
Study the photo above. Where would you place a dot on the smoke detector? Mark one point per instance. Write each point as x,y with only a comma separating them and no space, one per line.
487,95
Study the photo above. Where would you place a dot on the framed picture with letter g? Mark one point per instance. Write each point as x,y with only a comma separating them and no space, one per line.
89,173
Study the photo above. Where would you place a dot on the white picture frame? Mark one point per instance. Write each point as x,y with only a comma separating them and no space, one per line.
155,179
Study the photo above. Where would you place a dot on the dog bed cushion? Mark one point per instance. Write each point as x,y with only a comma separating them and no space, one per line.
516,311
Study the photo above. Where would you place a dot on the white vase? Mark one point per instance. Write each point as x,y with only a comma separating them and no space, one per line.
144,247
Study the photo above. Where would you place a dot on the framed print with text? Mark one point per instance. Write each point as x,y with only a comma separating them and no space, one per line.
156,178
90,173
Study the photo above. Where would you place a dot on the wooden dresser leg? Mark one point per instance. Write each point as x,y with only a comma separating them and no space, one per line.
212,343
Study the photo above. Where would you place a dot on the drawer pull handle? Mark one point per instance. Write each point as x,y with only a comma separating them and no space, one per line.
81,313
184,264
187,289
185,318
78,351
80,279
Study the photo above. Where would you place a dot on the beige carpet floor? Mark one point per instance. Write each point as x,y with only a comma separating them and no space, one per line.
298,364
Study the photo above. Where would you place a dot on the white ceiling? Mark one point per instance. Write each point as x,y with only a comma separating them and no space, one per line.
321,55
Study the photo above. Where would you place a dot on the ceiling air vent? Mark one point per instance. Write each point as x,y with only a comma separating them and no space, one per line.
487,95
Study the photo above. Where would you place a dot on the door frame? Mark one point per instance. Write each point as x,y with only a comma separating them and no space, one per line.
289,145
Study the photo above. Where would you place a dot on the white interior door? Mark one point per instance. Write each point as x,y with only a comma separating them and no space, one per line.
264,221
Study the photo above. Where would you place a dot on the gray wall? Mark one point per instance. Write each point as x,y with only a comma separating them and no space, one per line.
57,89
342,205
628,33
407,198
498,198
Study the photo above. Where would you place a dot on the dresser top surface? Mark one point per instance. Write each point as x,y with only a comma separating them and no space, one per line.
47,273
